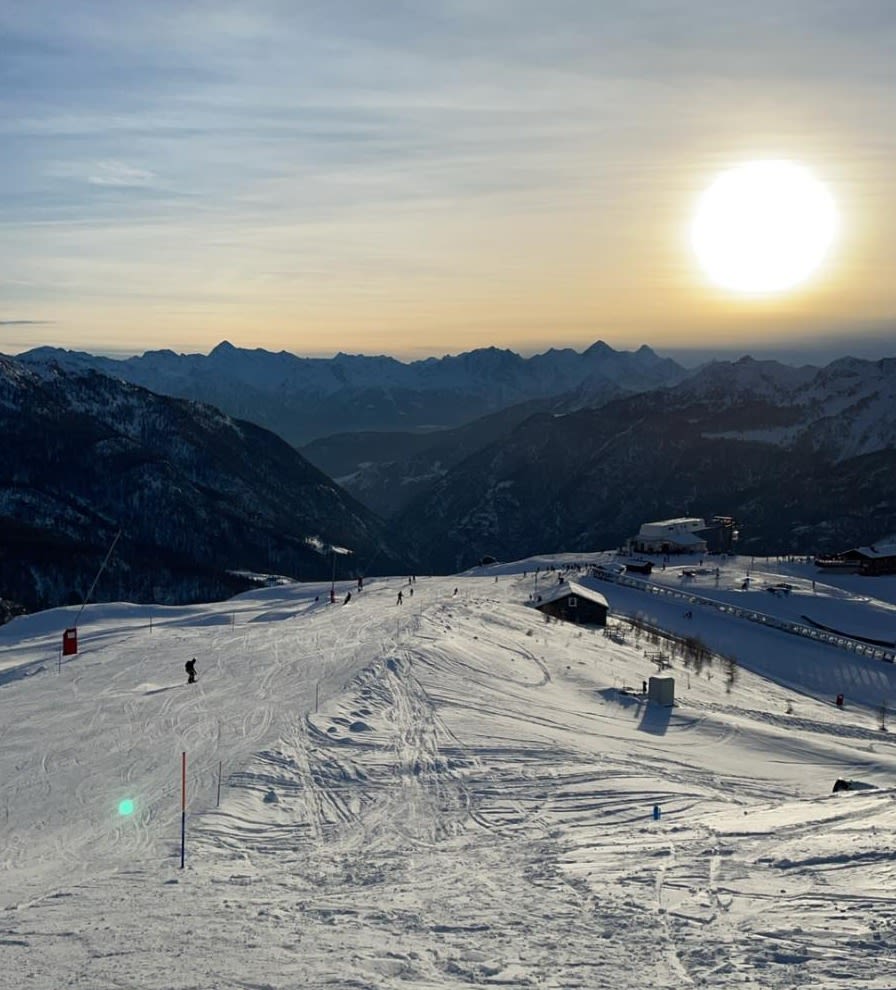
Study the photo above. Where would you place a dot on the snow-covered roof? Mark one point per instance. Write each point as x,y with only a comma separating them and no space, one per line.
573,588
683,521
673,530
877,550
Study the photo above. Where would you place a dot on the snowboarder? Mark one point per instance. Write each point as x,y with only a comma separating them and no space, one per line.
400,598
190,668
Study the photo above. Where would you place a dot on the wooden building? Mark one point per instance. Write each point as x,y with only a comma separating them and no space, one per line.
638,566
573,602
878,558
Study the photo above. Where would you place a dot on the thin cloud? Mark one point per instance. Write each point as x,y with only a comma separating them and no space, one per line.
120,174
25,323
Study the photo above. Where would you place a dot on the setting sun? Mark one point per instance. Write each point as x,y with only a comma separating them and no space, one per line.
763,227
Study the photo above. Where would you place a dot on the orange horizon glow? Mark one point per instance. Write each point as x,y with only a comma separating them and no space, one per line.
504,182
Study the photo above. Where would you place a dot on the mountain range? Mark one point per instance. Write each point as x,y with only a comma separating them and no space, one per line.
199,499
574,452
804,458
302,399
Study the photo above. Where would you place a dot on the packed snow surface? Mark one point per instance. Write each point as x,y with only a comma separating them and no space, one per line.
451,791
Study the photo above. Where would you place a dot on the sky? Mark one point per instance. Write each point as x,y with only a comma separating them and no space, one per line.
453,792
416,179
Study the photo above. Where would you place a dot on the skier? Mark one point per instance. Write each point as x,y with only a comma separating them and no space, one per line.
347,598
190,668
400,598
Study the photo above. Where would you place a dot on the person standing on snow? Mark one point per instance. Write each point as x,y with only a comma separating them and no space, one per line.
190,668
400,598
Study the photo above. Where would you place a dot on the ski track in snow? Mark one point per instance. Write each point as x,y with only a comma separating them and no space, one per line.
450,793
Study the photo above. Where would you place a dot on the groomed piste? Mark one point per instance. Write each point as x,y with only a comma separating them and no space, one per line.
452,792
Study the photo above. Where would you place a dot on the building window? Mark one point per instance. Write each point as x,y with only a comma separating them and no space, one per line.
572,601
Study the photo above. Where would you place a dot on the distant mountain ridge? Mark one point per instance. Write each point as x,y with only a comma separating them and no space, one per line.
303,399
196,494
804,457
844,410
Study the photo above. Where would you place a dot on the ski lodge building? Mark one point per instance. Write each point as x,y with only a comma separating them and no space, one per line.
573,602
879,558
670,536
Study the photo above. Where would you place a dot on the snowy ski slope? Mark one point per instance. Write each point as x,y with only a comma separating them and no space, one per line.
448,793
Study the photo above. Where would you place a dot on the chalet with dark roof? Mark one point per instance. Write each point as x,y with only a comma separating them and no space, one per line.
877,558
573,602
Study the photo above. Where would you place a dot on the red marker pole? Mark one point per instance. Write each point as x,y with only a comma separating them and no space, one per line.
183,806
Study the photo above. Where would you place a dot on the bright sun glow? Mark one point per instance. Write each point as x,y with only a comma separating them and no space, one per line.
763,227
